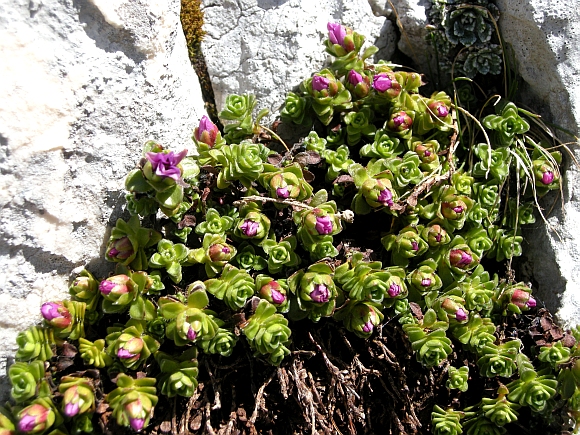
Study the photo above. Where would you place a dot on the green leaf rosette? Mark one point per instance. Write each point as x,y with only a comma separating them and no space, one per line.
385,146
281,254
285,183
506,123
446,422
243,162
327,95
133,401
360,317
131,345
24,378
214,254
178,375
457,378
170,256
406,245
214,223
234,287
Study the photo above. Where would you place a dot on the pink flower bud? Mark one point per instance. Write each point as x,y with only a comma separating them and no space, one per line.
354,78
523,299
382,82
249,228
323,225
282,192
191,334
386,197
219,252
394,290
336,33
273,292
368,327
118,284
206,132
547,177
320,83
426,282
56,314
460,315
320,293
460,258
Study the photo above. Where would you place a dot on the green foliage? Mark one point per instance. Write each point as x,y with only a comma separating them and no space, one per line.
457,378
446,422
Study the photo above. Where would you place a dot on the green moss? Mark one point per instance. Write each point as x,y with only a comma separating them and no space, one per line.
192,22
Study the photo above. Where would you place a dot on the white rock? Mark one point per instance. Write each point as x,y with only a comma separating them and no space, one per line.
545,37
84,85
267,47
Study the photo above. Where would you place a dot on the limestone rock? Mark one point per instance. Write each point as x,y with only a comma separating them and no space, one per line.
267,47
545,38
84,85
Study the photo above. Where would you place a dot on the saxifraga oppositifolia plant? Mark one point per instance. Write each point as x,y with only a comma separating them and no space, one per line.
239,242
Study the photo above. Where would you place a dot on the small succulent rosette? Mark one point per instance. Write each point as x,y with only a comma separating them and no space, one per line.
94,353
268,333
178,374
492,163
394,281
453,208
498,360
360,317
476,333
285,183
374,189
222,343
191,321
252,225
446,421
131,345
36,342
243,162
428,340
25,379
248,259
457,378
128,243
359,125
363,280
214,254
296,109
234,287
214,223
506,123
133,401
515,298
384,146
337,162
66,318
275,291
85,288
315,292
478,290
328,95
206,137
406,245
281,254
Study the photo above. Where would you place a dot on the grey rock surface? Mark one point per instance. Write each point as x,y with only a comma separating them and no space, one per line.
84,85
545,38
267,47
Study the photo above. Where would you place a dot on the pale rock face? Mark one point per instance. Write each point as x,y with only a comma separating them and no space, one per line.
545,37
268,47
84,85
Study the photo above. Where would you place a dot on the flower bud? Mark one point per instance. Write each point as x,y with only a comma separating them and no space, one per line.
323,225
453,210
219,252
320,83
394,290
191,334
320,293
523,299
435,235
206,132
118,284
454,310
78,399
400,122
136,414
460,258
273,293
55,314
249,228
35,418
439,109
358,84
386,85
120,249
336,33
131,349
386,197
282,192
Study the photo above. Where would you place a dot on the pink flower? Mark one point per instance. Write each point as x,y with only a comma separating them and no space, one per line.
382,82
165,164
547,177
323,225
354,78
282,192
336,33
394,290
386,198
320,293
320,83
249,228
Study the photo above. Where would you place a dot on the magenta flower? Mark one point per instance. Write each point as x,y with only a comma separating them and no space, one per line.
165,164
134,410
458,209
71,409
368,327
56,314
460,315
336,33
523,299
382,82
320,293
386,198
354,78
125,354
191,334
136,423
319,83
249,228
218,252
398,120
426,282
120,249
547,177
282,192
206,132
415,245
116,284
394,290
33,418
439,109
277,297
323,225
